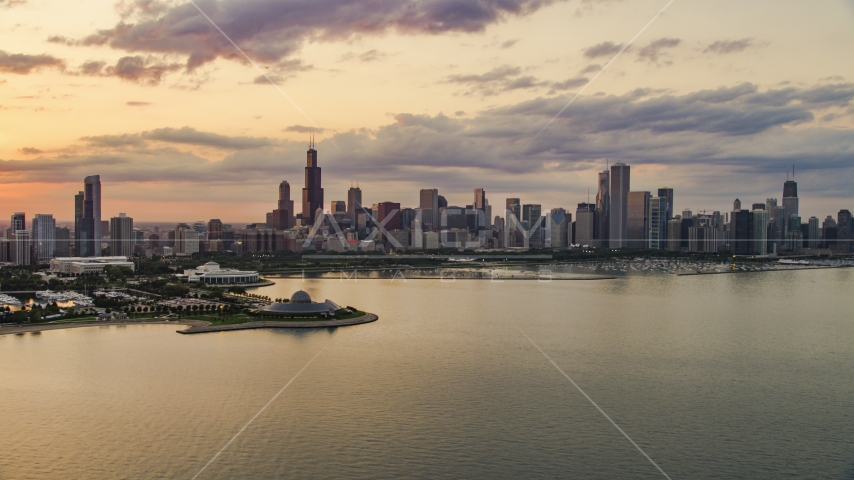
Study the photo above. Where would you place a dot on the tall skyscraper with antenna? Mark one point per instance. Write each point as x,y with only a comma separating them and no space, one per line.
312,194
790,195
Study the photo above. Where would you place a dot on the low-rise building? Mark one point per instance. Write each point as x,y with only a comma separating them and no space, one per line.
212,274
88,265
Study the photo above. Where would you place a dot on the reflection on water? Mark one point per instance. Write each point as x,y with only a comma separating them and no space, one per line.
721,376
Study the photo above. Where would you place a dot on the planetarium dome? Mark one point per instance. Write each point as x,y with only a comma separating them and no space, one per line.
300,297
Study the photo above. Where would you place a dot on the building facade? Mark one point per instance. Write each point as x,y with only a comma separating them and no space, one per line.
618,215
312,194
429,205
658,208
637,219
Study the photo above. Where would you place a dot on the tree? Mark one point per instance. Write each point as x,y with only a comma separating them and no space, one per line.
118,273
174,290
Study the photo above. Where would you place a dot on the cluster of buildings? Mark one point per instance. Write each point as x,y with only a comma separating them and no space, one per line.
619,218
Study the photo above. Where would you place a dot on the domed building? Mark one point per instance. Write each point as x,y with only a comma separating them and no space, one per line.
301,305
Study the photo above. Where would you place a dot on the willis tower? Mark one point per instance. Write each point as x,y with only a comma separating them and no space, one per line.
312,194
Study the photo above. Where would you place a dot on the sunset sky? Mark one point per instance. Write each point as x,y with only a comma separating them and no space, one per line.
715,99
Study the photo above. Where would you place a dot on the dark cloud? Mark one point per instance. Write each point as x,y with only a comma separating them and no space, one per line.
185,135
729,46
191,136
60,40
498,80
137,104
30,151
569,84
143,8
496,74
282,71
369,56
92,68
438,123
653,52
527,81
303,129
23,64
509,43
115,140
590,69
267,79
604,49
269,31
141,70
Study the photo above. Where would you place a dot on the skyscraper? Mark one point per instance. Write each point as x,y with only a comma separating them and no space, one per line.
770,205
78,222
92,193
89,234
790,197
186,240
759,239
312,194
514,206
282,218
337,206
22,253
558,224
63,240
44,237
513,210
429,205
215,229
535,223
829,232
390,210
618,215
658,208
121,236
741,232
18,222
637,219
603,208
586,225
845,231
482,204
667,193
814,238
354,204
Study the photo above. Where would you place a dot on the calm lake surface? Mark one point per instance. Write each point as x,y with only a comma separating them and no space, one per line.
744,376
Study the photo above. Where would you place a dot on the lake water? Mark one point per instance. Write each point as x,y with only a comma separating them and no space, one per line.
746,376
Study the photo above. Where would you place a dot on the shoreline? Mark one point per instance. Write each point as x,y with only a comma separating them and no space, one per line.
62,326
792,269
196,329
194,326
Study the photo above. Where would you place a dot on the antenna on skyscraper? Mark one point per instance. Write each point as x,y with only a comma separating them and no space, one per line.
793,171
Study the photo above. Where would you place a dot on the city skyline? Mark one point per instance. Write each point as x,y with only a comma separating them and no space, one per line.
284,190
717,114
